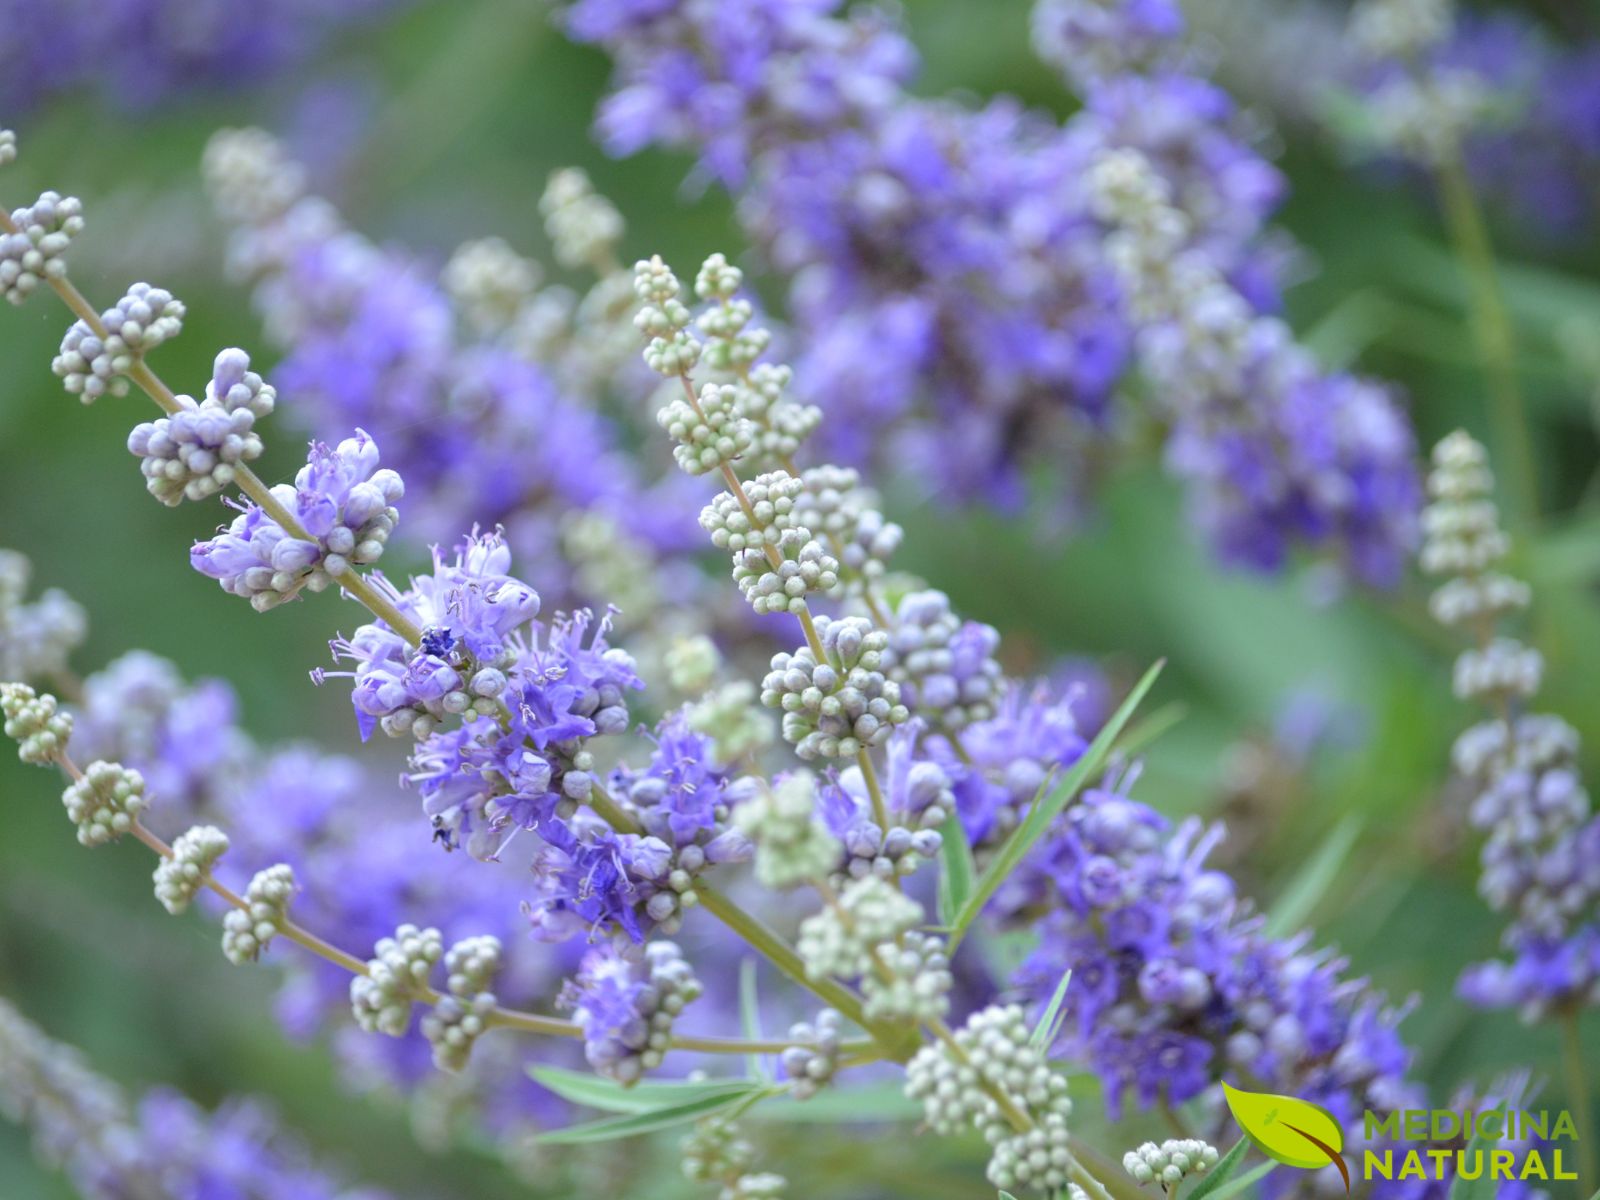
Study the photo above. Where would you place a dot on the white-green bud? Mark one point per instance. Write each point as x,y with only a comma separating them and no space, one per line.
804,568
841,939
771,512
767,1185
714,1151
396,976
1169,1163
692,664
584,227
792,844
178,879
8,147
41,732
811,1062
489,282
91,365
248,931
918,984
710,434
842,705
731,718
718,279
36,253
105,803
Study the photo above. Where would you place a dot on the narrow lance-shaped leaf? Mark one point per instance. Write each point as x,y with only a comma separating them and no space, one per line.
590,1090
634,1124
1049,1027
1239,1183
750,1017
1300,899
956,869
1046,809
1214,1181
1483,1187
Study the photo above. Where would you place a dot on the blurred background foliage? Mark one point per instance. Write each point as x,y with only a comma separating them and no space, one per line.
442,124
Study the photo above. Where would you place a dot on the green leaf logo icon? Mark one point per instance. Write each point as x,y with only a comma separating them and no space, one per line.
1293,1132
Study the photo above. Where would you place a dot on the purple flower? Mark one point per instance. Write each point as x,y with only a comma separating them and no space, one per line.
341,499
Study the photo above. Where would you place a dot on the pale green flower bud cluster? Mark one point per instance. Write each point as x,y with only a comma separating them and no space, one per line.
804,568
1401,29
246,932
249,176
842,939
662,318
36,253
835,505
608,560
715,1152
397,975
793,846
461,1016
90,366
41,732
711,432
105,803
584,227
1170,1163
771,498
8,147
998,1053
36,639
1538,742
1194,327
1463,540
731,718
692,664
842,705
781,424
732,345
179,879
765,1185
1426,118
1503,667
913,982
489,282
810,1063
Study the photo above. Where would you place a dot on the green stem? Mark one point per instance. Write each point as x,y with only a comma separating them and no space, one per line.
1578,1097
1493,331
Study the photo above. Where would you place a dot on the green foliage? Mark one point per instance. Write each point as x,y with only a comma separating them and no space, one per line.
1045,809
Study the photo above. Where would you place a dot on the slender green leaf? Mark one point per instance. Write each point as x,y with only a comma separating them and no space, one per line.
750,1017
1211,1182
610,1129
1483,1187
874,1102
1007,1196
1045,810
1244,1182
1145,733
956,868
1317,874
648,1096
1049,1027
